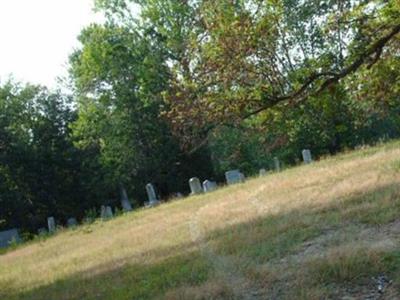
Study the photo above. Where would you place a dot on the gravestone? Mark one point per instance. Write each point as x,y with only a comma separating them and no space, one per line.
72,222
51,224
234,176
125,203
179,195
106,212
277,164
195,186
209,186
306,156
262,172
9,236
151,194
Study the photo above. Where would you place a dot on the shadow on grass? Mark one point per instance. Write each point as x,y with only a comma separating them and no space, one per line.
123,281
273,237
263,239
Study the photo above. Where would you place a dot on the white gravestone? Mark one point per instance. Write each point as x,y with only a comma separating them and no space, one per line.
262,172
72,222
125,203
277,164
306,156
9,236
151,194
209,186
234,176
195,186
51,224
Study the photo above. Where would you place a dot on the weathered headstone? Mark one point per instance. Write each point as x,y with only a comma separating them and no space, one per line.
234,176
151,194
51,224
262,172
106,212
209,186
195,186
72,222
125,203
306,156
277,164
9,236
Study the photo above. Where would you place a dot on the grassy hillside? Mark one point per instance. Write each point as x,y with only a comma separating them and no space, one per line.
326,230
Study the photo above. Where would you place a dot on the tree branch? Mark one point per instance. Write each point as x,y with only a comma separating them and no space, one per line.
330,78
333,77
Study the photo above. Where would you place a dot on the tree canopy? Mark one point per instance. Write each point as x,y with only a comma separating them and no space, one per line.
231,60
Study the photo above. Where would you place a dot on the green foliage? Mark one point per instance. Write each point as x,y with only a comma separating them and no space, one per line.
91,215
239,148
119,75
41,173
259,61
236,60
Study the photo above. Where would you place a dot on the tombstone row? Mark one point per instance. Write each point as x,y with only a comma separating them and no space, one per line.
52,227
232,177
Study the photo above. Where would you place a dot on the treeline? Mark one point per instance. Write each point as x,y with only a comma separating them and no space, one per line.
194,88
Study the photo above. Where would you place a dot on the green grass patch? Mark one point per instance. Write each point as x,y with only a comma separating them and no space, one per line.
345,265
265,239
378,207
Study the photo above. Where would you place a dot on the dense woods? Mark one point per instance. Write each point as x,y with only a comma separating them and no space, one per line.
194,88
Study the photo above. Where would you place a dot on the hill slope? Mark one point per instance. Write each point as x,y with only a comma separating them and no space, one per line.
326,230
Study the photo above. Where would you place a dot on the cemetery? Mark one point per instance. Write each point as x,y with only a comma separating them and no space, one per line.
166,149
200,219
106,212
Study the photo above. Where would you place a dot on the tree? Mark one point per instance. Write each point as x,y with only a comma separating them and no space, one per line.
119,76
40,170
231,60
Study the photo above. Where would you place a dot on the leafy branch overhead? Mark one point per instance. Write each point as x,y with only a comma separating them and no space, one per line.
231,60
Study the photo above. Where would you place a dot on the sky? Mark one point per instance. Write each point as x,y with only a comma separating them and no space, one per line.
37,36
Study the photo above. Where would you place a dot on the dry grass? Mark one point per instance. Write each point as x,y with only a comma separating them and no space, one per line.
312,232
